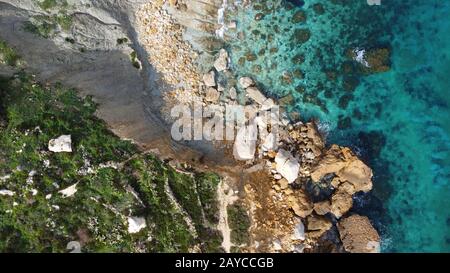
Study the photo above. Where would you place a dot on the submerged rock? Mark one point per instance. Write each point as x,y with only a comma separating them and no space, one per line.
61,144
358,235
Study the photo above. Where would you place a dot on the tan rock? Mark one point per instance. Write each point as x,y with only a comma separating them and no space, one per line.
209,79
300,204
341,203
323,207
212,95
317,225
346,166
358,235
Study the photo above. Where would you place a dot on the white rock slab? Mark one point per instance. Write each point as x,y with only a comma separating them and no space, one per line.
69,191
136,224
7,192
287,165
245,142
61,144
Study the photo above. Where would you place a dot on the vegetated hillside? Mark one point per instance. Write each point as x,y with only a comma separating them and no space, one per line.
114,181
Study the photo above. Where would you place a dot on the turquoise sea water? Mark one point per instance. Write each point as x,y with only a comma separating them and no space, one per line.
398,121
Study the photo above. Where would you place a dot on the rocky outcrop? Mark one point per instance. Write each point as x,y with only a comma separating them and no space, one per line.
351,176
358,235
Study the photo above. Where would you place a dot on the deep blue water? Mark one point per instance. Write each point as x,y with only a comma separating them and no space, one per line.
398,121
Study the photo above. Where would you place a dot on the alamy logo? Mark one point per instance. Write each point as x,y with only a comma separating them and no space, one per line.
227,122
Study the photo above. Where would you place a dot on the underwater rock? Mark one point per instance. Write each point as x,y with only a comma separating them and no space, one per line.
374,60
221,63
287,165
302,35
209,79
61,144
136,224
358,235
299,17
318,9
232,93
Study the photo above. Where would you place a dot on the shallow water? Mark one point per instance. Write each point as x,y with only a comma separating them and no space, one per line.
398,121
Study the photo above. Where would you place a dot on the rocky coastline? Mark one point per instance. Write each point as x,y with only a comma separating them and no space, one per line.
296,190
302,197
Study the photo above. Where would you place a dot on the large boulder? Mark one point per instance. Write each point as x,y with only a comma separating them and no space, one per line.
347,167
61,144
287,165
358,235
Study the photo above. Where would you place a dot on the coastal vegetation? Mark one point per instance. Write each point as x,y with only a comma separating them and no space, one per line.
8,55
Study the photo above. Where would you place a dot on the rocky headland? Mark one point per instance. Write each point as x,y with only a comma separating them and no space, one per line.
140,58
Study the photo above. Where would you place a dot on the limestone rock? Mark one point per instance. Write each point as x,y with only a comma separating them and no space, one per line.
287,165
358,235
212,95
300,204
210,79
7,192
232,93
61,144
245,143
317,225
69,191
256,95
346,166
299,231
246,82
136,224
270,143
322,208
221,63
